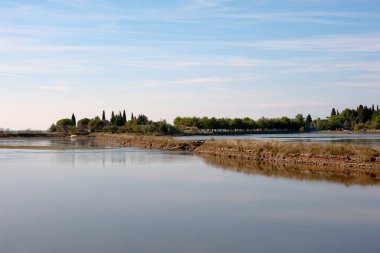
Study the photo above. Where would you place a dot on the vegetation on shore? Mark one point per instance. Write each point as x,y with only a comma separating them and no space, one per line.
293,152
359,119
147,141
344,160
118,123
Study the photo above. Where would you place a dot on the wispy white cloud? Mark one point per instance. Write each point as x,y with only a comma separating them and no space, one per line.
357,85
206,82
299,17
348,43
81,4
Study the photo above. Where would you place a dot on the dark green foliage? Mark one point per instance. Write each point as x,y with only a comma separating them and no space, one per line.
112,120
83,125
350,119
124,117
142,119
65,122
360,119
308,120
98,125
119,121
104,115
63,125
73,120
283,123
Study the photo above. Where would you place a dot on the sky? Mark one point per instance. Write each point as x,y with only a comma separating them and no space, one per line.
171,58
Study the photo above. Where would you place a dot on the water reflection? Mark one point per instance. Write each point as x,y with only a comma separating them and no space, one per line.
290,171
132,200
54,143
119,156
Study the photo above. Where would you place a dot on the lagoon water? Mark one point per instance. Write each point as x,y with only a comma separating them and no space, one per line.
133,200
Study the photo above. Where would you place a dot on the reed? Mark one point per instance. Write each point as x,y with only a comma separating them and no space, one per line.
284,151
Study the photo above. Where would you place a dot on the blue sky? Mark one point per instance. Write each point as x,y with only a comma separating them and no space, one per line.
191,58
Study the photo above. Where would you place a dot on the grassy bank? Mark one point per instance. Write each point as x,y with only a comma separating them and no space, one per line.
344,160
321,155
147,141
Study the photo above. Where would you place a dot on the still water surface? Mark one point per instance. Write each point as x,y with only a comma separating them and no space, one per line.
132,200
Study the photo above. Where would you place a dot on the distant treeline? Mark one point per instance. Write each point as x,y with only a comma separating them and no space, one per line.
361,118
117,123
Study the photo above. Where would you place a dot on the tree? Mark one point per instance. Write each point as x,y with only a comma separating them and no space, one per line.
308,120
361,114
104,115
83,124
119,121
112,118
63,125
142,119
124,117
300,120
333,112
73,120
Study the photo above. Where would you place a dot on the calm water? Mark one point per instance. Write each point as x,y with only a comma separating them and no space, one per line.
131,200
357,139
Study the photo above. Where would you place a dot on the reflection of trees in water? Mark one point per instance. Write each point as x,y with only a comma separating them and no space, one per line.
120,157
298,172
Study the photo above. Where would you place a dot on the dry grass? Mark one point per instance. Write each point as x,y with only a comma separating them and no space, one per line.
284,149
145,141
271,151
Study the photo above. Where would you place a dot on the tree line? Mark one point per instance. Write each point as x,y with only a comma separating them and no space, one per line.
361,118
117,123
358,119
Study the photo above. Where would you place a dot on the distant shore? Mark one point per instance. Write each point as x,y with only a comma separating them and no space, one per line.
42,134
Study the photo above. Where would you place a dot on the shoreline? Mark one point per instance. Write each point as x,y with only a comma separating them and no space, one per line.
304,158
334,159
49,135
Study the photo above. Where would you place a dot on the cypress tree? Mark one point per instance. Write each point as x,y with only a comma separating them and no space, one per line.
308,120
73,120
104,115
333,112
132,116
112,118
124,117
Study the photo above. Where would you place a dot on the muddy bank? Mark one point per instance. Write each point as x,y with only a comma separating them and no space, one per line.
147,141
337,156
343,160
